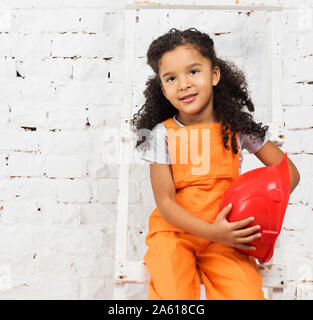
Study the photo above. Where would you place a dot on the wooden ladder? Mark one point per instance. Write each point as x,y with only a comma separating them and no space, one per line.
128,272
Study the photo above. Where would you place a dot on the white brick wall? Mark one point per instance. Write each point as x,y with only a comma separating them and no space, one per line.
61,92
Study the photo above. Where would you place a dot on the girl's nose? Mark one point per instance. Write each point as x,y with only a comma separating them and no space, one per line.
183,84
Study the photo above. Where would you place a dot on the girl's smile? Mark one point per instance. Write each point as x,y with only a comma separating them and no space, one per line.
189,98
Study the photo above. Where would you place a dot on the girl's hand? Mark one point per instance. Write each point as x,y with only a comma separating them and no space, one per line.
231,233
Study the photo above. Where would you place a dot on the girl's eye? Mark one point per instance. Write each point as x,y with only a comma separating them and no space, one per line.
194,70
167,80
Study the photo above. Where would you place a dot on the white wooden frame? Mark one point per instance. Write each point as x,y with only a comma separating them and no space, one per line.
135,271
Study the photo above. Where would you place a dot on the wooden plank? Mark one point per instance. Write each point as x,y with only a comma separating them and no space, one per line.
122,202
206,4
274,62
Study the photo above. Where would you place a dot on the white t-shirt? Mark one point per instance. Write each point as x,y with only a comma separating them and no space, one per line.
158,147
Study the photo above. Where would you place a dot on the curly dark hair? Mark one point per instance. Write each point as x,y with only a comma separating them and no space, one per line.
230,95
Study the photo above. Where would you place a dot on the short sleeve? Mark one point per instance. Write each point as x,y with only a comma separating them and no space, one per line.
253,144
157,150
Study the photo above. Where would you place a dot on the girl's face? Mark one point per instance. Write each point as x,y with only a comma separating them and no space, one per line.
184,72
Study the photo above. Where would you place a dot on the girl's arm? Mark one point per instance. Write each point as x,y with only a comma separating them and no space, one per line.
270,154
234,234
165,198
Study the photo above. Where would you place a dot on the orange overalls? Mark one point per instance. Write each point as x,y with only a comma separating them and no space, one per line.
173,254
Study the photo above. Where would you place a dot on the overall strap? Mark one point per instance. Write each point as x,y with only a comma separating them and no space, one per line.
170,123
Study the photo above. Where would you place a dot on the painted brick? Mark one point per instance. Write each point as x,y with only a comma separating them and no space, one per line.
304,66
22,115
19,140
100,290
7,69
65,117
289,45
30,21
51,262
4,114
307,137
75,241
293,244
106,144
11,212
34,91
25,46
305,47
27,188
50,288
299,20
296,217
100,116
299,118
92,69
300,269
96,167
293,141
15,239
304,291
307,94
73,190
65,166
25,165
86,45
299,141
98,213
53,69
57,213
65,142
92,92
105,190
291,94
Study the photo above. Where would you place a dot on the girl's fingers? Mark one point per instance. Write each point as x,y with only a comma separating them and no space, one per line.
249,239
247,231
240,242
242,223
225,211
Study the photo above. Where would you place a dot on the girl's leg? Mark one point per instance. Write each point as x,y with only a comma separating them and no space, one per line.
172,266
229,274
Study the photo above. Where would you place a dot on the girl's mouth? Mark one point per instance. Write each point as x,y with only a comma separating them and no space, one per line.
189,98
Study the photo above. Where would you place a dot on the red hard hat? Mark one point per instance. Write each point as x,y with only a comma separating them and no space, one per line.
262,193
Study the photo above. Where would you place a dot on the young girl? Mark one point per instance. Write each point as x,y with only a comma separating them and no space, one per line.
201,99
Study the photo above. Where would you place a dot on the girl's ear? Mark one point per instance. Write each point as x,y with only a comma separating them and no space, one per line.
216,75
